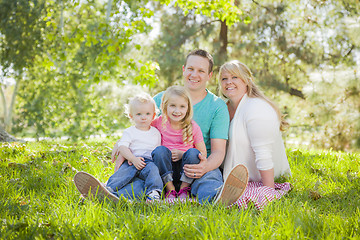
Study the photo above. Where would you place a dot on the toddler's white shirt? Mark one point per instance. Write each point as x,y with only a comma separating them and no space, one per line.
141,143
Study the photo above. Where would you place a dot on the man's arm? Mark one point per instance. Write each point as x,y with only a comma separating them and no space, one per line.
218,149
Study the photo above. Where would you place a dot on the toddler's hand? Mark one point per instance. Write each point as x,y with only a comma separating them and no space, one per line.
139,163
176,155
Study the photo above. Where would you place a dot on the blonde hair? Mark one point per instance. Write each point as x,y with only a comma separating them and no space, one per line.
240,70
186,124
139,98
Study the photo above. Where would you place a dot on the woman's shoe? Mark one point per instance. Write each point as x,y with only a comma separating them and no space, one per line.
234,186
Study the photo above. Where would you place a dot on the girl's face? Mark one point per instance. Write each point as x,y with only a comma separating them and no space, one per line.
177,108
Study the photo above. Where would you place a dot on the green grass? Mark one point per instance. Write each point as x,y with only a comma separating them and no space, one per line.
38,200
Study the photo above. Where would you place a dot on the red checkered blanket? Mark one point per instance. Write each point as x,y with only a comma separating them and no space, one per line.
255,192
261,195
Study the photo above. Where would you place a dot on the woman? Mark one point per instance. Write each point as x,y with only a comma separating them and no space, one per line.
255,124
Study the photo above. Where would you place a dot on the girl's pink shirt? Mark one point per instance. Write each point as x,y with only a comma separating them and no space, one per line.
173,139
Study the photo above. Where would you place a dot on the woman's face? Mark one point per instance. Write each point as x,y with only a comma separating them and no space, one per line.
232,86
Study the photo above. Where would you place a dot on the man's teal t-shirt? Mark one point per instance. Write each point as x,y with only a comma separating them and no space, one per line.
211,114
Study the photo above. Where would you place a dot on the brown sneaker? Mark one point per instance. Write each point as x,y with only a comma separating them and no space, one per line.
234,186
89,187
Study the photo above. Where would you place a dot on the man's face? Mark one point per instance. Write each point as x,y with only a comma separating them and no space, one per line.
196,73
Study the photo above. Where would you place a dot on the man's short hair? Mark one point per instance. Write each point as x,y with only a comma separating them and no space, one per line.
202,53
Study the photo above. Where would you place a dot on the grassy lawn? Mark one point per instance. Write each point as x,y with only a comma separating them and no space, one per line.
38,200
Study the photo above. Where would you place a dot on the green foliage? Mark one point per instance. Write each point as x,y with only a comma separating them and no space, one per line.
218,9
82,47
283,44
61,52
21,29
39,200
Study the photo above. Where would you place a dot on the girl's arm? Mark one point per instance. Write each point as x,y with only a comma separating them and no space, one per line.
201,147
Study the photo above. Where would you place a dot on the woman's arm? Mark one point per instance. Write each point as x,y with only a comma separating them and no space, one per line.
262,126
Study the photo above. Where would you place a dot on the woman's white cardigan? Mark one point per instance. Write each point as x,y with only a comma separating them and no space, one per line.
255,140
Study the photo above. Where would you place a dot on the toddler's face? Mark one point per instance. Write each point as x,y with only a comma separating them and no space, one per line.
142,114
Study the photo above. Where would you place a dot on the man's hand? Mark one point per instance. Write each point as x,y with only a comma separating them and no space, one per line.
115,152
138,162
176,155
196,170
118,163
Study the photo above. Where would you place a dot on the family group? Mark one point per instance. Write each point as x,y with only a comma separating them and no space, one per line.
198,145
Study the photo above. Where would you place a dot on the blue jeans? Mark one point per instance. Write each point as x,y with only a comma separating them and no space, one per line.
122,181
205,188
134,190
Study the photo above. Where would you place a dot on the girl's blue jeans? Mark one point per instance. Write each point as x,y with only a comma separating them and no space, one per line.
132,183
205,188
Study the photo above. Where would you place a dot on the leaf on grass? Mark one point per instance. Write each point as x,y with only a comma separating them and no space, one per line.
318,171
44,224
18,226
105,163
84,160
17,165
315,195
66,167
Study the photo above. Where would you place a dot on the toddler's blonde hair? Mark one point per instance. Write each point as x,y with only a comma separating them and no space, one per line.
139,98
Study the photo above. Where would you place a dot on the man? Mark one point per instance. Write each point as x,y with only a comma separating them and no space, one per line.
211,114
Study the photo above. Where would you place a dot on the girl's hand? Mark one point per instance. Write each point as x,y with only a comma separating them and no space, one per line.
138,162
196,170
176,155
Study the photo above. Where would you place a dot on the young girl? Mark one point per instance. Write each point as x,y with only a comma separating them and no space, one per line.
181,139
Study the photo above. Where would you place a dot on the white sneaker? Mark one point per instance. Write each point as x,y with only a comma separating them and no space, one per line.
89,186
233,187
153,195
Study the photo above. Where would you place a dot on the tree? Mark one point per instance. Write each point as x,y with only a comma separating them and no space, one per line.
20,33
281,42
83,44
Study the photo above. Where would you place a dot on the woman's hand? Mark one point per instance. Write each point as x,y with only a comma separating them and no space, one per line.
196,170
176,155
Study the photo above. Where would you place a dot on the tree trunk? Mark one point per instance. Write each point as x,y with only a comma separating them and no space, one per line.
223,42
8,117
5,137
3,98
